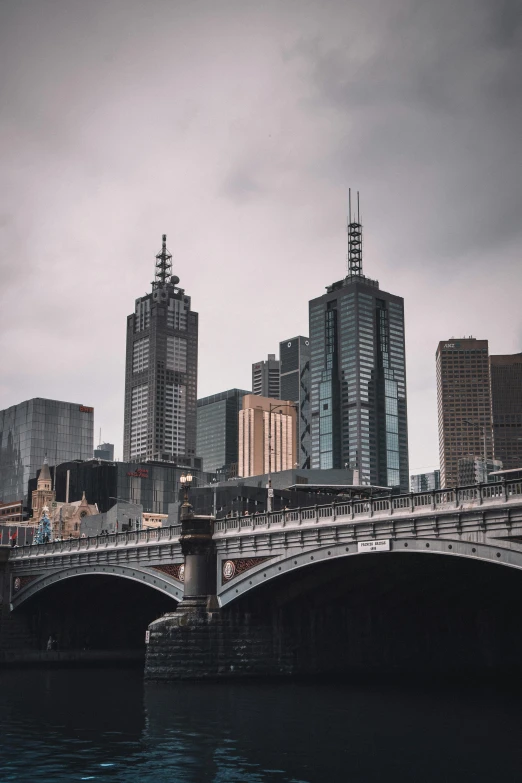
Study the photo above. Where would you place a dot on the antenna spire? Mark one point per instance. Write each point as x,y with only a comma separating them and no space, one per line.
163,265
354,239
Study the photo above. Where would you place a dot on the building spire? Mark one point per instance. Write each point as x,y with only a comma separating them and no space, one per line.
163,265
354,239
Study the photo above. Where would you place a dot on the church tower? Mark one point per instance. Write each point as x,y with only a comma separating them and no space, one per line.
44,494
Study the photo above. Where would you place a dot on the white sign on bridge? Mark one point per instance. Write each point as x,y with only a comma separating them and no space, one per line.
381,545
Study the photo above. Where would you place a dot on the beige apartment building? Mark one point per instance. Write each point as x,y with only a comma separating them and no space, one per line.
267,435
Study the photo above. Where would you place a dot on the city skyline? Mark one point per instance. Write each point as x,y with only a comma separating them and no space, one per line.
256,211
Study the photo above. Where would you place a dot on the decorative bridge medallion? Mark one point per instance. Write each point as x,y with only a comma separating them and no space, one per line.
22,581
176,570
232,568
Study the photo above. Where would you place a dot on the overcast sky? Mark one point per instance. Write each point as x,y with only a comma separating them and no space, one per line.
236,128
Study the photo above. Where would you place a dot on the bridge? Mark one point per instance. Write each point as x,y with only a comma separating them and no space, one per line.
221,567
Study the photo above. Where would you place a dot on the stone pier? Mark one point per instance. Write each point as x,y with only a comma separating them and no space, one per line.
200,640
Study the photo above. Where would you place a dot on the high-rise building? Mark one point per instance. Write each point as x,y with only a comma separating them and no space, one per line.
464,404
295,385
358,376
425,482
506,406
218,431
104,451
161,371
36,429
265,377
267,435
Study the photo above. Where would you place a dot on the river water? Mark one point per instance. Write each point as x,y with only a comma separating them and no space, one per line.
107,725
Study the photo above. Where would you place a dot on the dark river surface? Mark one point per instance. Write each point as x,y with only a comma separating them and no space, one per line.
108,725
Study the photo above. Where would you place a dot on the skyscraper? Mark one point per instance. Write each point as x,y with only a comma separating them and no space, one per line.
464,404
267,441
218,431
506,407
265,377
161,371
295,385
358,376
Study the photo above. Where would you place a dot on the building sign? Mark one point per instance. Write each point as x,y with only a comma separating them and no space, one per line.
138,473
381,545
451,345
147,637
85,409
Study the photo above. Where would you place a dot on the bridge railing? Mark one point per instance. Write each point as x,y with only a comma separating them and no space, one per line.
414,503
119,540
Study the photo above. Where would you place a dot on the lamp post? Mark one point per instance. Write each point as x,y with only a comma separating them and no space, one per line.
186,481
273,407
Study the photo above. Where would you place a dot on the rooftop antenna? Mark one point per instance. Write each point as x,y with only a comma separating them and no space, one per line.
354,239
163,265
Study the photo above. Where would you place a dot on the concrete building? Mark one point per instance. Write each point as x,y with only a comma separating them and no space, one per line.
425,482
358,376
118,519
104,451
250,494
295,385
473,470
265,377
267,435
506,408
218,431
36,429
464,404
12,512
161,371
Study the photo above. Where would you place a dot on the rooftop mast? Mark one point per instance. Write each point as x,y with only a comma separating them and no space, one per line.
354,239
163,265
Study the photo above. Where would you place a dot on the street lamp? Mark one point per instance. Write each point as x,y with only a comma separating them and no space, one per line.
273,407
186,481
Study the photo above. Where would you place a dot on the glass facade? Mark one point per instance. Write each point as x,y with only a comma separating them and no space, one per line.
218,428
358,386
35,429
295,385
155,486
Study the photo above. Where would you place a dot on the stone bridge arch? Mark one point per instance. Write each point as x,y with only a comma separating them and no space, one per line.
501,553
154,578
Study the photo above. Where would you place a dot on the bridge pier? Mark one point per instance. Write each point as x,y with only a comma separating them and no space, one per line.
199,640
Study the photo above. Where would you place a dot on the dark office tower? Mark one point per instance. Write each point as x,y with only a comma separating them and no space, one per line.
358,376
506,406
161,371
218,431
265,377
295,385
464,406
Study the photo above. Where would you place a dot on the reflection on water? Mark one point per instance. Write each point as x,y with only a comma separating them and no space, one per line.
103,725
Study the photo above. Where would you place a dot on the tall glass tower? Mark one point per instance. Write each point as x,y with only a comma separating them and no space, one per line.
358,375
161,371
